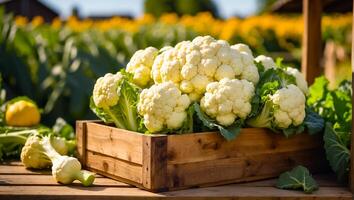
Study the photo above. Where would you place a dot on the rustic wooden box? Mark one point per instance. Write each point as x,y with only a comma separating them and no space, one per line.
170,162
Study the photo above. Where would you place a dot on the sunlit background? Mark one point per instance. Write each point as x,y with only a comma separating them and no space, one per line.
52,51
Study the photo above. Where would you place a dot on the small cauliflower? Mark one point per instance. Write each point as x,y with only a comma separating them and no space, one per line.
114,101
163,107
300,79
266,61
285,108
140,66
290,103
192,65
227,100
105,90
38,153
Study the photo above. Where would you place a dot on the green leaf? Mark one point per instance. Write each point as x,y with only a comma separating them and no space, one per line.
338,154
229,133
298,178
313,122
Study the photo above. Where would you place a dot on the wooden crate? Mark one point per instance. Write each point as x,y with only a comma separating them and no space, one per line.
170,162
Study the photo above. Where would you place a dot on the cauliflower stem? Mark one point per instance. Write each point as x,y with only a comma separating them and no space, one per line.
39,152
264,119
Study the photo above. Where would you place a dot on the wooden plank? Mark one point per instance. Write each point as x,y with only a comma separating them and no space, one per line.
155,163
323,180
253,167
228,192
211,146
261,193
81,130
119,143
109,165
21,170
311,39
48,180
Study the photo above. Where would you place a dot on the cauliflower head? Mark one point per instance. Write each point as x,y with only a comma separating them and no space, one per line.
192,65
163,106
300,79
33,155
266,61
140,65
228,100
289,105
105,90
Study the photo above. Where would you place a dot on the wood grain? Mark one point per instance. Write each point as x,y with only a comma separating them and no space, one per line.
311,40
248,168
224,192
48,180
119,143
155,163
81,131
212,146
110,165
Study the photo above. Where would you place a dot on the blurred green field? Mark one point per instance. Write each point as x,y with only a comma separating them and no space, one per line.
56,64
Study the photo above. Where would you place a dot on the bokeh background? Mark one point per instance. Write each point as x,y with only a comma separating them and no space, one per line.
53,51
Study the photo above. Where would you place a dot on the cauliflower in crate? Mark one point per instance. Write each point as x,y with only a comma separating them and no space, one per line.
140,66
163,107
192,65
227,100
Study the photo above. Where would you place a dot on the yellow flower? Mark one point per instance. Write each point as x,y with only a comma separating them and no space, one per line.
21,21
56,23
37,21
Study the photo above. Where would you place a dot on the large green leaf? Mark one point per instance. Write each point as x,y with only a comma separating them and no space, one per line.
337,153
229,133
298,178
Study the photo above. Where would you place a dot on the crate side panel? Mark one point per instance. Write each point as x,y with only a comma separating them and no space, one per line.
252,167
210,146
113,166
118,143
155,163
81,141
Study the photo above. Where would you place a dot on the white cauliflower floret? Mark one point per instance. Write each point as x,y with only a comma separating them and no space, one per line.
228,100
191,65
300,79
290,106
250,71
105,90
140,65
267,62
163,106
242,48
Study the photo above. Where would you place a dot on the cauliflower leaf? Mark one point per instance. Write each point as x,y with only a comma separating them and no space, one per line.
298,178
229,133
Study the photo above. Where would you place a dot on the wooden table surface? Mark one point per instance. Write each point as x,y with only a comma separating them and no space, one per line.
16,182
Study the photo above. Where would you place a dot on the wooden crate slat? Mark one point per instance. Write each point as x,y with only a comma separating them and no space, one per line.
242,169
110,165
49,180
155,162
122,144
210,146
223,192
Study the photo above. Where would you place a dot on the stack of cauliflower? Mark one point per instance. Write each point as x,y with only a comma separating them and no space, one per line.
225,81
